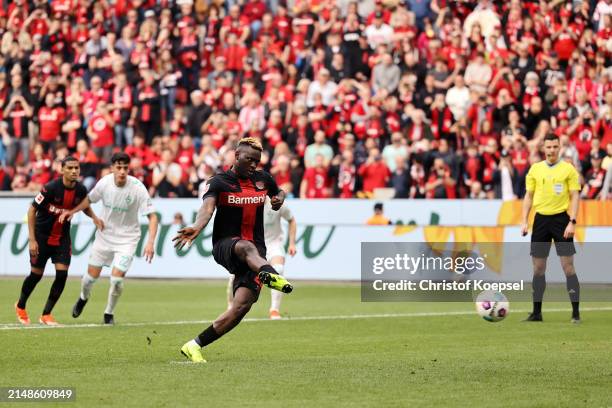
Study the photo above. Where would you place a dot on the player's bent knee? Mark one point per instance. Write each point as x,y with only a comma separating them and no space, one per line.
37,271
539,266
94,271
118,273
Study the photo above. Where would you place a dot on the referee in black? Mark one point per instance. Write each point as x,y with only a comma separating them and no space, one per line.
553,191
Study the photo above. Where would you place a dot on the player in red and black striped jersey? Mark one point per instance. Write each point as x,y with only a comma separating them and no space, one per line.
51,239
238,195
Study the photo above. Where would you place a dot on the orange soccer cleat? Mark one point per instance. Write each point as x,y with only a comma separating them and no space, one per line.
48,320
22,315
275,315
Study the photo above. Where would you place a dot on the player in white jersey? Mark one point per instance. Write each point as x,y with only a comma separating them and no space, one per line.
123,198
275,248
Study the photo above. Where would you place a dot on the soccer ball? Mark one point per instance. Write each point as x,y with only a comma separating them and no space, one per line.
492,306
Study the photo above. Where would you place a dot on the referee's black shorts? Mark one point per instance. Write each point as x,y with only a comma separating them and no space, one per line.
547,228
223,252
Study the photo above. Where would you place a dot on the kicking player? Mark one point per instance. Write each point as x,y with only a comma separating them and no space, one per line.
238,237
551,184
123,198
51,239
275,249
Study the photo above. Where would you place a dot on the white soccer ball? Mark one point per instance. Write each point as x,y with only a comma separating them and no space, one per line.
492,306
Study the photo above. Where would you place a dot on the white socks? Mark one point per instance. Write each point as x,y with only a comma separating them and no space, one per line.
277,295
87,283
114,292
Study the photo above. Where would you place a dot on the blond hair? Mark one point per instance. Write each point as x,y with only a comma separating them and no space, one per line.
252,142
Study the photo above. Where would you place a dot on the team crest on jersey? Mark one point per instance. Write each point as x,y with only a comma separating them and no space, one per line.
128,200
260,185
39,198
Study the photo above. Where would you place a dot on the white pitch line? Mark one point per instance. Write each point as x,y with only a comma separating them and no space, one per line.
17,326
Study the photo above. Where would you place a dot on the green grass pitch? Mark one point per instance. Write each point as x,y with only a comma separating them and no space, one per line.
331,351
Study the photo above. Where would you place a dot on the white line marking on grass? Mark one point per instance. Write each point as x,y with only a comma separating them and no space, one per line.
13,326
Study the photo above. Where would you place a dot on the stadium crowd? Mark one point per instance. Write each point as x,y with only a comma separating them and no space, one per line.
432,98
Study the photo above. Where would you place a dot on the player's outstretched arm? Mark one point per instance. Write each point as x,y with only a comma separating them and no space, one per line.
149,250
67,215
185,236
527,201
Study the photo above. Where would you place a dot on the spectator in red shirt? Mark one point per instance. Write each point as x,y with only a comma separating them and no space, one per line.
374,172
50,118
595,177
344,174
234,54
315,183
122,104
40,166
565,36
254,11
100,132
281,171
237,23
147,103
140,149
440,184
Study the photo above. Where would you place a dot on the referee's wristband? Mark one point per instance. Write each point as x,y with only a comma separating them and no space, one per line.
573,221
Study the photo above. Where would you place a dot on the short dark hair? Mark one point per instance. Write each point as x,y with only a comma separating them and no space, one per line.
120,157
378,206
67,159
551,137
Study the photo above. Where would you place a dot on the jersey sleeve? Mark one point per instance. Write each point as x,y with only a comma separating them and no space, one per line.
530,181
95,194
212,188
286,213
271,185
44,196
573,182
146,203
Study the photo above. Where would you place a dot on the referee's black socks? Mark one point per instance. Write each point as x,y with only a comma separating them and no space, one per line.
29,283
56,290
538,285
573,290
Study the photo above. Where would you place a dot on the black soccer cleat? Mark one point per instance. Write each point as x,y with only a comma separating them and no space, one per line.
534,317
78,307
109,319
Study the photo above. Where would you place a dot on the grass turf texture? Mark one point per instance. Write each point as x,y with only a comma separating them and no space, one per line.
455,360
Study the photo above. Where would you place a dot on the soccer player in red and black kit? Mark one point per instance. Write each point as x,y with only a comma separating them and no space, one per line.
238,195
51,239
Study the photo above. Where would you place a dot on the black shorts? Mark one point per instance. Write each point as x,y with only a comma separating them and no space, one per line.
547,228
223,252
57,253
